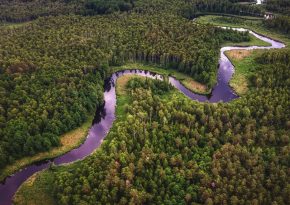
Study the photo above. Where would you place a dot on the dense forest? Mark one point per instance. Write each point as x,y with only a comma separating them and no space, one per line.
280,23
224,6
52,70
278,6
182,152
26,10
23,10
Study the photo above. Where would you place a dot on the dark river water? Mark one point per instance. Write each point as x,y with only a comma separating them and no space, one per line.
105,116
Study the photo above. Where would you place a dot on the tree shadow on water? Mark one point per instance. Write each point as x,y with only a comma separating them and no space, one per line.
100,114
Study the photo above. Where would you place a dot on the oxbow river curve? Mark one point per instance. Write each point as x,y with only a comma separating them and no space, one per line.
105,115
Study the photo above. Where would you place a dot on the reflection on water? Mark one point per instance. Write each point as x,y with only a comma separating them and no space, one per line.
100,114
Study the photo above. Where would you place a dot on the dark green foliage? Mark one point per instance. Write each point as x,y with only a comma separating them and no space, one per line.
180,45
19,10
270,76
22,10
107,6
279,6
225,6
275,56
36,108
280,23
176,151
157,87
242,1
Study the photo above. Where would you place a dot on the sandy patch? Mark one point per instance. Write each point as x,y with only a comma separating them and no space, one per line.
122,82
195,86
31,180
239,54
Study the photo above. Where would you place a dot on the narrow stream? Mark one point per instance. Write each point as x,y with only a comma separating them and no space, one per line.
105,115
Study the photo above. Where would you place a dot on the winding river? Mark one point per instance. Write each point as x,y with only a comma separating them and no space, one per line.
105,115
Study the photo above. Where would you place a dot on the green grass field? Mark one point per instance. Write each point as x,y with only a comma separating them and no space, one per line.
38,188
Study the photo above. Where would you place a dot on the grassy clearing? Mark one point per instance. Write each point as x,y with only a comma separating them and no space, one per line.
253,18
122,82
254,25
245,65
122,97
69,141
38,188
186,80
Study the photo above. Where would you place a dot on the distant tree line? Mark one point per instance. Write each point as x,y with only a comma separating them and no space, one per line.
225,6
93,7
278,6
281,21
19,10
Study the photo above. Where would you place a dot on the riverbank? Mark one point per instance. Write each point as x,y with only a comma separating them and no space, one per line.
122,97
243,61
37,188
245,64
69,141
